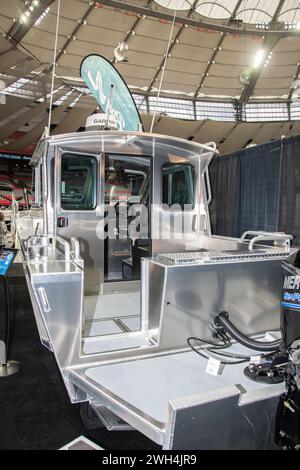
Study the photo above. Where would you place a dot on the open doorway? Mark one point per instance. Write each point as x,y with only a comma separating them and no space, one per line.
117,310
127,183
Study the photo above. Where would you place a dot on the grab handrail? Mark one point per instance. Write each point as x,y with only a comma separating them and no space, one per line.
64,245
75,248
262,236
208,186
257,233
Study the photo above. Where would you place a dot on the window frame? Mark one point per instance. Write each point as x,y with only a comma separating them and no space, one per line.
193,205
108,155
96,181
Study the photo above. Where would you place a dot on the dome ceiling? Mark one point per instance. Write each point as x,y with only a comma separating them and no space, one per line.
208,60
250,11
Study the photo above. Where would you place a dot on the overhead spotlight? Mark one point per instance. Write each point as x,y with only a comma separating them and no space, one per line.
262,58
291,25
120,52
23,18
262,25
259,58
40,19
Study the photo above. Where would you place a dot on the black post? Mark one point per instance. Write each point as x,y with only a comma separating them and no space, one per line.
7,367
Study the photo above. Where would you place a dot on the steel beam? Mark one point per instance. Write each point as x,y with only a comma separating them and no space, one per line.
129,33
217,49
18,30
196,20
269,44
74,32
173,44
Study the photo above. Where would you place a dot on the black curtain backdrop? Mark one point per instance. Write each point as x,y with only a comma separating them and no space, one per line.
225,173
246,189
289,200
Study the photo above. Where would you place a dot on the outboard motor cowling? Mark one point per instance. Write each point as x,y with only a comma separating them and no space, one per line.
288,412
290,305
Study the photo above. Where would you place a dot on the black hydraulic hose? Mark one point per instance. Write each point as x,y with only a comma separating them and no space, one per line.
223,321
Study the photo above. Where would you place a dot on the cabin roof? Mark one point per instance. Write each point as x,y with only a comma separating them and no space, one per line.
145,141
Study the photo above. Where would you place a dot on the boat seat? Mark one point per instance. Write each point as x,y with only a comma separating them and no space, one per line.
131,267
127,269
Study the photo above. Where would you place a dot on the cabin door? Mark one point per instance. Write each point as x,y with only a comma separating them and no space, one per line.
78,211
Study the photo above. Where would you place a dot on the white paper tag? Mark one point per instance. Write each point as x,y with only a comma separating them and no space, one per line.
214,367
269,336
255,359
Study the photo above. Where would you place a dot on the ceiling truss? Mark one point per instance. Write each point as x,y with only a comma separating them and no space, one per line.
197,20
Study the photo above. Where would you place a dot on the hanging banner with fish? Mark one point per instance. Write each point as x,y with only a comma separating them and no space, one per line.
111,92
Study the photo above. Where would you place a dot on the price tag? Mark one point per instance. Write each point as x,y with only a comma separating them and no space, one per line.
270,336
214,367
255,359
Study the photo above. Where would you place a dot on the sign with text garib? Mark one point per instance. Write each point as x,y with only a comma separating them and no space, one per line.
111,92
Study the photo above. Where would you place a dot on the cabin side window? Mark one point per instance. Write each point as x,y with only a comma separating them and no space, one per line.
78,182
39,185
178,185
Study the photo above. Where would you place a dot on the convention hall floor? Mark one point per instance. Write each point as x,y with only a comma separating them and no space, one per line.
34,407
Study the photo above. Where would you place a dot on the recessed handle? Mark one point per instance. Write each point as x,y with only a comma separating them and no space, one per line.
62,222
44,299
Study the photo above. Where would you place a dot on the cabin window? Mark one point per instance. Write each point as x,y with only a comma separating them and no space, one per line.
39,184
78,182
125,179
178,185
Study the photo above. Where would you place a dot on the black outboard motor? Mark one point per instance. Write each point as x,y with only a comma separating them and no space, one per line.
282,364
290,305
288,412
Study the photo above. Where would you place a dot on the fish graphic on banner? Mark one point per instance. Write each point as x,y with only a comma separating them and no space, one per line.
111,92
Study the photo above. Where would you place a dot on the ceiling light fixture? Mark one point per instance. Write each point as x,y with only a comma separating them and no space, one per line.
262,25
259,58
23,19
291,25
40,19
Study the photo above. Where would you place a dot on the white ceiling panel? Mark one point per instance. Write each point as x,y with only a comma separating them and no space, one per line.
192,52
239,137
213,131
187,66
198,38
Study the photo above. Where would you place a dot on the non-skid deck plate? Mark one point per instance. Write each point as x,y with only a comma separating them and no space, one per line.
117,342
150,384
211,257
112,326
111,305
